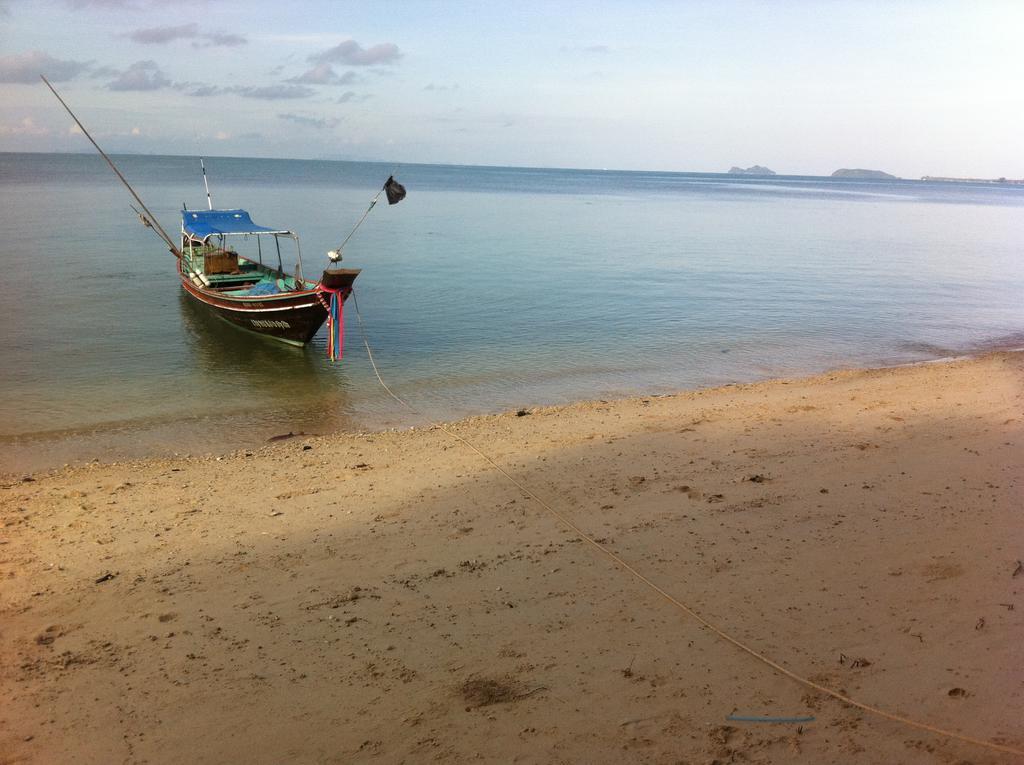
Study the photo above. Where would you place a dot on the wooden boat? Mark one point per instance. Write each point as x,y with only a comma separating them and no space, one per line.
244,290
256,296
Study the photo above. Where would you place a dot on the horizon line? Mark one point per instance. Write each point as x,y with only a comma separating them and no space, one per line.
927,177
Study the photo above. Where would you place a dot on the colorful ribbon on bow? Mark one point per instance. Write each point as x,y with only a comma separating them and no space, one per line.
335,320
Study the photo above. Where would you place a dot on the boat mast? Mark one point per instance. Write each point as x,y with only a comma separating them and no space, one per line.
209,201
155,223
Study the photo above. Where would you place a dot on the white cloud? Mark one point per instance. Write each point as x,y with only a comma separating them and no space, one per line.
324,74
166,34
142,75
321,74
320,123
272,92
350,96
26,67
26,126
221,40
163,35
351,53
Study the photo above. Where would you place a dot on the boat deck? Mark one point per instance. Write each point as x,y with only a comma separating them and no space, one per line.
248,278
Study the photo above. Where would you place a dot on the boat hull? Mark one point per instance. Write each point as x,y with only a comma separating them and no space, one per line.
291,317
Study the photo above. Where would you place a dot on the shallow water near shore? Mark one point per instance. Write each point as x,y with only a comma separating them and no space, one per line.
486,289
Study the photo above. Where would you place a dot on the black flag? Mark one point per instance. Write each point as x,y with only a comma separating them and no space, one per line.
394,190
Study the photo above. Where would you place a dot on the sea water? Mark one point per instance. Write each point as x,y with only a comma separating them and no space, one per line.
486,289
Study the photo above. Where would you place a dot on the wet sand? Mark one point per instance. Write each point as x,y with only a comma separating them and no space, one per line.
392,598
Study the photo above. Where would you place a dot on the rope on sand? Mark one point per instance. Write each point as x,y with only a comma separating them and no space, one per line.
585,537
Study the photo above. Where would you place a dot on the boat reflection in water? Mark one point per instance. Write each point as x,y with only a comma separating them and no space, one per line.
254,385
241,391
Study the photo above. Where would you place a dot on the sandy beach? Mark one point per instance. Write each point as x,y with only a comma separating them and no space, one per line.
391,597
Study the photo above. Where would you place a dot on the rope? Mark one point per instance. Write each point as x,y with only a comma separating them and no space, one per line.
373,202
760,719
585,537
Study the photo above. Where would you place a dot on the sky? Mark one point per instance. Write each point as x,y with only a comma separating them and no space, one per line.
909,87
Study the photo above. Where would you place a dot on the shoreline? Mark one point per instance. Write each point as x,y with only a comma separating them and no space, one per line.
389,596
46,451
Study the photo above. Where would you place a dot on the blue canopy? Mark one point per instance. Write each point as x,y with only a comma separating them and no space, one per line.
202,224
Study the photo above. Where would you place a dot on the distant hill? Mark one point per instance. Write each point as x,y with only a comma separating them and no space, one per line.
877,175
1015,181
752,170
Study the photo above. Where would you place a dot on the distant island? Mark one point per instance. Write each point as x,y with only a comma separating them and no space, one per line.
752,170
1015,181
877,175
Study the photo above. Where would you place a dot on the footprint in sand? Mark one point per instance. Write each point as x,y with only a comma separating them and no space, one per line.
942,570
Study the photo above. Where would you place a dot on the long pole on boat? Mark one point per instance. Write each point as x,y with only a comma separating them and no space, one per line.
156,224
209,200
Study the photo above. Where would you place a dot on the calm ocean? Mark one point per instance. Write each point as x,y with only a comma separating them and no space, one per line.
486,289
